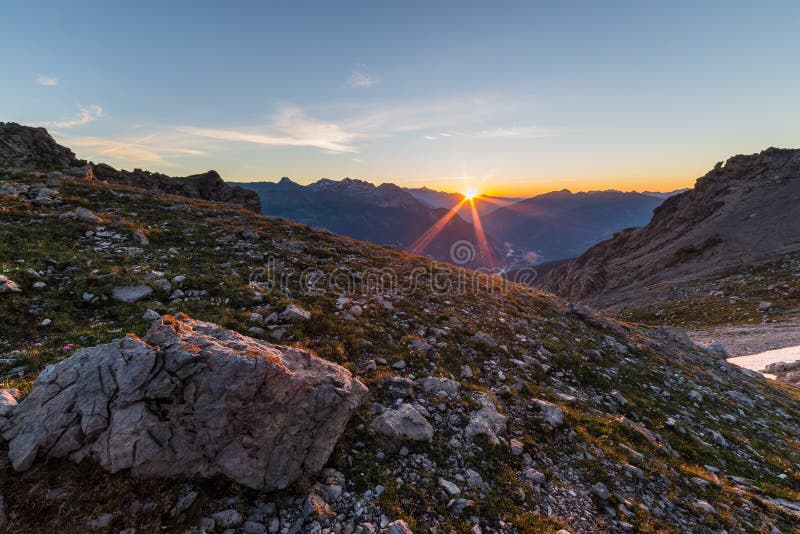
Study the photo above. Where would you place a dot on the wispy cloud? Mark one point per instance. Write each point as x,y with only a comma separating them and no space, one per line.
290,127
151,149
47,81
529,132
85,115
359,79
293,126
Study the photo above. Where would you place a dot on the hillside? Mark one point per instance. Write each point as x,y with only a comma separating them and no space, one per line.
26,148
384,214
730,241
562,224
491,407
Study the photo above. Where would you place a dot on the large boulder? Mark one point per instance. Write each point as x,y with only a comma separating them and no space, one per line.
191,399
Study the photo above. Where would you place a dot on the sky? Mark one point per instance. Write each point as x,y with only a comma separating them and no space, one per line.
511,98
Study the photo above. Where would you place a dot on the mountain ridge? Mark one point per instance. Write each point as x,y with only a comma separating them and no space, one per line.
742,212
34,148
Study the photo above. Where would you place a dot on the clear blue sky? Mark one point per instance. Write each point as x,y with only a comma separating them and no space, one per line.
510,97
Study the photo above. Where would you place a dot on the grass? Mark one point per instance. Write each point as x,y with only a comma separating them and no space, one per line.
522,320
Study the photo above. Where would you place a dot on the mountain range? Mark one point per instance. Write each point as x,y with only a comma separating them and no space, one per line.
547,227
385,214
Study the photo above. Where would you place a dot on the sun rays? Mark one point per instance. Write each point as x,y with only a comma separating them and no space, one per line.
470,195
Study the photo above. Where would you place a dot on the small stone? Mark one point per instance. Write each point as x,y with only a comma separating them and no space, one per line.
398,527
704,506
483,338
184,502
294,313
253,527
229,518
151,315
250,235
533,476
765,307
7,285
601,491
140,238
551,413
7,402
403,423
84,215
162,285
449,487
130,294
100,522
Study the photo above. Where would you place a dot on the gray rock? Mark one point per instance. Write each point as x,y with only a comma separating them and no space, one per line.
294,313
84,215
449,487
484,339
533,476
765,307
601,491
7,403
100,522
131,293
551,413
184,502
151,315
704,506
403,423
250,235
433,384
487,421
191,399
162,285
140,238
7,285
253,527
398,527
229,518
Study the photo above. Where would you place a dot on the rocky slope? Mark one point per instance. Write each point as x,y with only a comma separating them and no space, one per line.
742,215
27,148
492,407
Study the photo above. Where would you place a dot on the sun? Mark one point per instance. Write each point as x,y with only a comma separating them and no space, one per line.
470,193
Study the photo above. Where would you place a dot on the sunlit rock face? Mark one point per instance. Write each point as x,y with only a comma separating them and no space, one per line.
191,399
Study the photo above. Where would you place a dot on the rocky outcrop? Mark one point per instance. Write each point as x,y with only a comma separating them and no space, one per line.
191,399
25,147
207,186
34,148
743,212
